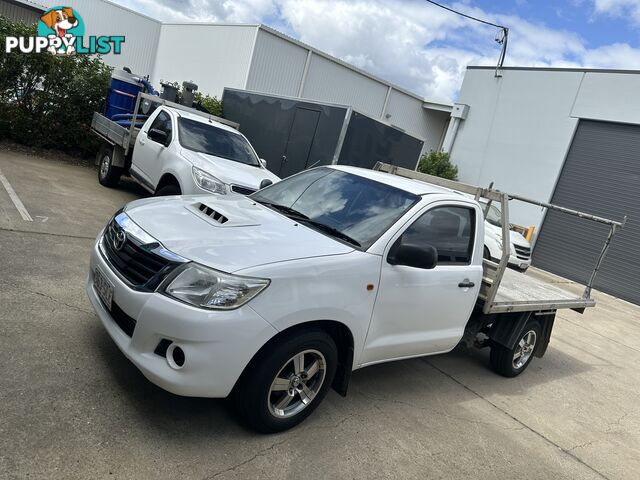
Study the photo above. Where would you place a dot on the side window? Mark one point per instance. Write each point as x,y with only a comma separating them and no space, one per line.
163,122
449,229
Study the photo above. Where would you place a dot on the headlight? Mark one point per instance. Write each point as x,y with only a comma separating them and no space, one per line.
208,288
208,182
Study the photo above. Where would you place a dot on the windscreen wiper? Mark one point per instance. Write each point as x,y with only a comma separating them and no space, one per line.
328,229
301,217
288,211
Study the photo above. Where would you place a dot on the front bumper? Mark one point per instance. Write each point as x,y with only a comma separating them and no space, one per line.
217,344
519,263
514,262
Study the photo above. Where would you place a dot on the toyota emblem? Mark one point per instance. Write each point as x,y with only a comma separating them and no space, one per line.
119,239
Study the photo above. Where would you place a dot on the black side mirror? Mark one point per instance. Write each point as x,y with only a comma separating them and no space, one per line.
417,256
265,183
159,136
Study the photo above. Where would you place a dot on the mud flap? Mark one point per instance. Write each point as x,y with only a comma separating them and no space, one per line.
118,158
508,328
343,373
547,327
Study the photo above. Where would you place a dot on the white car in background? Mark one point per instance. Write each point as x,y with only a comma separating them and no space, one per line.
519,247
177,152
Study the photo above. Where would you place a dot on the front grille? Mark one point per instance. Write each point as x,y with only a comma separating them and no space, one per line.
242,190
126,323
523,253
141,267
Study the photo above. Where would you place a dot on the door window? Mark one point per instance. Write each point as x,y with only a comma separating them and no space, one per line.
449,229
163,123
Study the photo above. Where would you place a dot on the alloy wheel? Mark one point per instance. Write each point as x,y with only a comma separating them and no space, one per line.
297,383
104,166
524,349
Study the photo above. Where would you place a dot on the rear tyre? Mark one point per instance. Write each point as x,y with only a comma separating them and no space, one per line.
284,384
108,174
168,190
512,362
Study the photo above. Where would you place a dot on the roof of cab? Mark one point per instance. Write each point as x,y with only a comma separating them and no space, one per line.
201,119
408,184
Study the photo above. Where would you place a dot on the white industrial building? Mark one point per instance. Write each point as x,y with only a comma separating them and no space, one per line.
566,136
256,58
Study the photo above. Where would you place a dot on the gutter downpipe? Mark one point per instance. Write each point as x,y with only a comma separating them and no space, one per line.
458,113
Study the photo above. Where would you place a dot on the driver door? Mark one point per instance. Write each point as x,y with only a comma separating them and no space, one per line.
417,311
148,155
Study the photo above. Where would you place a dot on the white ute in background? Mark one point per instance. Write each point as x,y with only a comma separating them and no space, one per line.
519,247
179,152
274,298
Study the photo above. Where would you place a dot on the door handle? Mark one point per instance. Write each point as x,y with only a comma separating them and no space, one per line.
284,158
466,283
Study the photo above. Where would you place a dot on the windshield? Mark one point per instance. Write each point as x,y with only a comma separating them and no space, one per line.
493,215
205,138
346,206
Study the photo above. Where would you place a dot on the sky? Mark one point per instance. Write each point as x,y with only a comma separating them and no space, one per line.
426,49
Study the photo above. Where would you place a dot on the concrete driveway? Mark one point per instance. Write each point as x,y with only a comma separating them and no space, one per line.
71,406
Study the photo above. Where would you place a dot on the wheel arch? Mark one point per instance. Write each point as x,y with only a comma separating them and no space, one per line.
491,244
341,335
169,178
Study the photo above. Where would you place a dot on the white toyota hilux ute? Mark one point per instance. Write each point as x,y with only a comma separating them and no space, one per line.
276,297
179,152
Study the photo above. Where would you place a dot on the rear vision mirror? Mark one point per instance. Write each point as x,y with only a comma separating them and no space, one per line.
417,256
159,136
265,183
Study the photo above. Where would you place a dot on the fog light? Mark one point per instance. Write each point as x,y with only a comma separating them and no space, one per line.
175,356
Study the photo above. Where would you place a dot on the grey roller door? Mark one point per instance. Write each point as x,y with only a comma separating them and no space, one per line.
601,176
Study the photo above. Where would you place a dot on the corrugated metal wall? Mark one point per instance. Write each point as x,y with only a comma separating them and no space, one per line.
328,81
601,176
277,66
18,13
213,56
105,18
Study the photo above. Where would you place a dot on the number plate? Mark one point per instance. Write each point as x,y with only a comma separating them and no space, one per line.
103,287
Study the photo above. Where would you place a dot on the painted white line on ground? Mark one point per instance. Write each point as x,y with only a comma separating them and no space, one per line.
15,199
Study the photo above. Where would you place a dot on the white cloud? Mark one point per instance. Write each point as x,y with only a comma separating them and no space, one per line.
409,42
619,8
617,55
240,11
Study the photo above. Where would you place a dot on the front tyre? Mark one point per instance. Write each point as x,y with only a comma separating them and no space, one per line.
284,384
512,362
108,174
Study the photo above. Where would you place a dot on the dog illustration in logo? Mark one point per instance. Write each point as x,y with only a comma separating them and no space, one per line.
60,21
